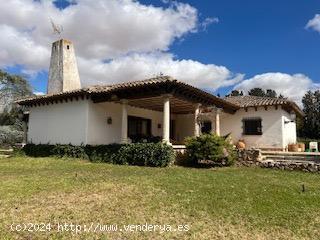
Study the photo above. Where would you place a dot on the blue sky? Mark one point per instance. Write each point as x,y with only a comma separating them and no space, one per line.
257,36
250,38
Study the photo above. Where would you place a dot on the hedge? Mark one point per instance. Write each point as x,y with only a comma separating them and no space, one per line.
141,154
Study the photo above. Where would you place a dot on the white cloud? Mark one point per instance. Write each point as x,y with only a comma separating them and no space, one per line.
140,66
115,40
208,21
314,23
17,47
291,86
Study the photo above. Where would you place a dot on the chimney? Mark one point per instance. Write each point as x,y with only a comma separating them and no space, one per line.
63,71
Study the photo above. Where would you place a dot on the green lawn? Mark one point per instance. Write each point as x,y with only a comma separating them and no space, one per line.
225,203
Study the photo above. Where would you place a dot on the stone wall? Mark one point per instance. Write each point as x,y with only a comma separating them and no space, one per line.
253,157
249,157
291,165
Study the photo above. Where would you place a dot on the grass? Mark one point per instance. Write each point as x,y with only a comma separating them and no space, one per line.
225,203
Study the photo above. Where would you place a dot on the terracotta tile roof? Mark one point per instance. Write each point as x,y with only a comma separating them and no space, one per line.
98,89
150,81
101,90
255,101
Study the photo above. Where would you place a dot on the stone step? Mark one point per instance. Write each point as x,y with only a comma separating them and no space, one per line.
4,156
289,161
6,151
277,153
302,158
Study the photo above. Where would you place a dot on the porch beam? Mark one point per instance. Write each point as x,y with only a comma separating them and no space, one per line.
124,121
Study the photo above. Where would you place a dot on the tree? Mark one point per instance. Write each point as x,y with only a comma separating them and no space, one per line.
12,87
310,126
271,93
235,93
257,92
261,93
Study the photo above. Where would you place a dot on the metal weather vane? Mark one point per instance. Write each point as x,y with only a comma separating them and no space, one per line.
57,29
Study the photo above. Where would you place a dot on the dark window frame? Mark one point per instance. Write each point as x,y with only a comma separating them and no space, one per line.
255,129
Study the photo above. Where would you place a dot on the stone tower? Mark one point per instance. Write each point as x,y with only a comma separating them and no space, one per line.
63,71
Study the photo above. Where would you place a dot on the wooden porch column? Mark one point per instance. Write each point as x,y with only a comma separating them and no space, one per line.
217,118
196,124
124,121
166,119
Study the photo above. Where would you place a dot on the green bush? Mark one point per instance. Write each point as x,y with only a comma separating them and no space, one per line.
211,149
145,154
102,153
10,136
69,151
39,150
142,154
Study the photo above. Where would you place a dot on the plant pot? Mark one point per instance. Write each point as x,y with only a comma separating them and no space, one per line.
293,147
302,146
241,144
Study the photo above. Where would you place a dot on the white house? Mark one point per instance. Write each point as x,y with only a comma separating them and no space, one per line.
158,107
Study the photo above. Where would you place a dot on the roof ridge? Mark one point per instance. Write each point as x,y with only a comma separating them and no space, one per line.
261,97
126,83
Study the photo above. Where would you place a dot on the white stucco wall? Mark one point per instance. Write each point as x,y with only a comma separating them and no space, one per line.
61,123
184,126
100,132
85,122
274,133
289,130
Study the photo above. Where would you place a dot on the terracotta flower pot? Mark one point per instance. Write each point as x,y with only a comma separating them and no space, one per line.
241,144
293,147
302,146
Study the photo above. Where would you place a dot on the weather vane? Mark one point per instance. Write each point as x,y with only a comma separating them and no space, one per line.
57,29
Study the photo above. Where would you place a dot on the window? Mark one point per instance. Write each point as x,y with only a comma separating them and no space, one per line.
252,126
68,47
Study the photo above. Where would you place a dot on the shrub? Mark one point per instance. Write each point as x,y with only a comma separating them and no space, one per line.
69,151
210,148
102,153
10,136
142,154
145,154
38,150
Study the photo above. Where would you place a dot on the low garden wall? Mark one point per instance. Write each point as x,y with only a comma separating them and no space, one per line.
290,165
248,157
253,157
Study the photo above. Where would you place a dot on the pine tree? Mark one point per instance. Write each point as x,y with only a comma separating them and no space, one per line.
311,109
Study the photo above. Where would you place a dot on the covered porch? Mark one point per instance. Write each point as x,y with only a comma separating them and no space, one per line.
171,111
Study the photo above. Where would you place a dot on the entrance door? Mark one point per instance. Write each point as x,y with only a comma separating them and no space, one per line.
206,127
173,129
139,128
